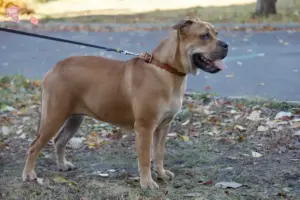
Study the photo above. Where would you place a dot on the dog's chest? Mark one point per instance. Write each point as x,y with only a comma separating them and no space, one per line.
171,110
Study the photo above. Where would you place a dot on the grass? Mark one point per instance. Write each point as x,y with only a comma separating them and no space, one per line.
288,11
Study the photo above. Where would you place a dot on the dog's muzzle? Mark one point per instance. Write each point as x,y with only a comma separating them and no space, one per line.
214,64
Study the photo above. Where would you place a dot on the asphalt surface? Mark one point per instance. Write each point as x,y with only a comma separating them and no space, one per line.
265,64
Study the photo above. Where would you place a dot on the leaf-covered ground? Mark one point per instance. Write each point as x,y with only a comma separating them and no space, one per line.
250,145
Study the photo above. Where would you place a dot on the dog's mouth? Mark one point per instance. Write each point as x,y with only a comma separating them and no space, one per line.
207,65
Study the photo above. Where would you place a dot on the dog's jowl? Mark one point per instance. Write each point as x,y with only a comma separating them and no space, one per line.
143,96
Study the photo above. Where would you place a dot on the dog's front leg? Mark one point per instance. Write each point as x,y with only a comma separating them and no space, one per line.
159,152
144,137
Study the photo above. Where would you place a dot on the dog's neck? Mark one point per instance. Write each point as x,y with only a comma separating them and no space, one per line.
168,52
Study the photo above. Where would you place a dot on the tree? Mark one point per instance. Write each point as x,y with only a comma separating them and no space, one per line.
265,7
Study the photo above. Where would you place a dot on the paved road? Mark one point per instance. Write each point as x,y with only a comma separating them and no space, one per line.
259,64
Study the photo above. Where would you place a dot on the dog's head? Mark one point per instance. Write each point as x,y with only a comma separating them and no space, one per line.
200,47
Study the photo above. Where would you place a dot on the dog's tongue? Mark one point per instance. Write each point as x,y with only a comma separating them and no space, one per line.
219,64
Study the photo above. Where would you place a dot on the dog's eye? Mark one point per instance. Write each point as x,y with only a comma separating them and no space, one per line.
205,36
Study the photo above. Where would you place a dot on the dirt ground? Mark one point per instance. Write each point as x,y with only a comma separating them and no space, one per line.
212,140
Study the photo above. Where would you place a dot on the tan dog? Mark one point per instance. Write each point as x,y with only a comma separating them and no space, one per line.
134,94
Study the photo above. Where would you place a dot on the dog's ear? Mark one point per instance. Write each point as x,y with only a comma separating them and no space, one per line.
182,23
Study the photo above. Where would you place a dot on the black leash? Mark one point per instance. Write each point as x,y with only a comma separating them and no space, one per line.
67,41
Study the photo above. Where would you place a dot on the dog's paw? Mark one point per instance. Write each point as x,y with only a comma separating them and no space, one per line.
148,184
65,166
29,175
165,175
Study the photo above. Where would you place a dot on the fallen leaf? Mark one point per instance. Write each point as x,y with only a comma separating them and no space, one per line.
262,128
225,140
197,124
60,179
228,169
297,133
172,134
294,159
193,194
105,175
241,107
228,185
215,130
272,124
135,178
22,136
5,130
283,114
185,123
213,119
297,111
209,182
94,134
256,154
40,181
76,142
7,108
91,145
241,138
184,138
296,119
240,128
36,83
233,111
281,194
19,131
190,107
41,154
286,118
255,115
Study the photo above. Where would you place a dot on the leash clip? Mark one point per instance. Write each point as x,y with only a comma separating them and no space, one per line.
146,57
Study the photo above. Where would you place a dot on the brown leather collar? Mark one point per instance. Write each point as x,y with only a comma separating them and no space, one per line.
147,57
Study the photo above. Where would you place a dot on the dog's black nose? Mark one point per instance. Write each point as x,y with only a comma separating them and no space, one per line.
223,44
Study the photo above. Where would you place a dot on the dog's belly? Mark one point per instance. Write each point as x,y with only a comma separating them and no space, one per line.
113,112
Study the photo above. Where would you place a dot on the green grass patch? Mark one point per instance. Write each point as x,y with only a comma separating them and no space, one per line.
288,11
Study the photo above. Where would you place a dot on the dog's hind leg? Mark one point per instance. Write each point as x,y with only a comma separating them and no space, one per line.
53,115
63,137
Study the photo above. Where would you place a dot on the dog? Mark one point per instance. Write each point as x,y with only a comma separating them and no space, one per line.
142,94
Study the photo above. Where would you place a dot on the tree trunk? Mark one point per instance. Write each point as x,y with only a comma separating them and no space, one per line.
265,7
